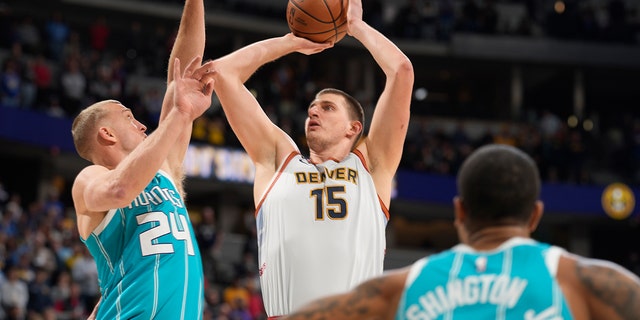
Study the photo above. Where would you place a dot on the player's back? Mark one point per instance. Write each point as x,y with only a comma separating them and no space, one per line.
515,281
321,230
149,264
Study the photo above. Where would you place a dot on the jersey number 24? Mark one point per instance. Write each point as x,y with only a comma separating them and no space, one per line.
163,226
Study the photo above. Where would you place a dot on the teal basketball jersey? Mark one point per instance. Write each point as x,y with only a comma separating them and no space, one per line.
514,281
149,264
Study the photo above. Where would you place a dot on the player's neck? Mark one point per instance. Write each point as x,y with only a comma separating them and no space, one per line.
326,155
492,237
107,160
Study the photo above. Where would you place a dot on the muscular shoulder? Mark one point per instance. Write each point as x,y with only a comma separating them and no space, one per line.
83,179
86,219
599,289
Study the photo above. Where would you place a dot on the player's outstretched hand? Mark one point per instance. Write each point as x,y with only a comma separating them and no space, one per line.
306,46
193,88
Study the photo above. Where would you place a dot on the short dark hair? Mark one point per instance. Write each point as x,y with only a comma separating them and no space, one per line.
498,185
354,107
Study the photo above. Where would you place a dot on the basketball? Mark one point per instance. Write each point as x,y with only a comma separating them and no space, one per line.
318,20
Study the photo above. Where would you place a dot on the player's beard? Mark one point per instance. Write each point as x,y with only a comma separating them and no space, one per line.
317,142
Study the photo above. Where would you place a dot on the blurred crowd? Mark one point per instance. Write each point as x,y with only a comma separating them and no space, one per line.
55,67
52,66
614,21
46,272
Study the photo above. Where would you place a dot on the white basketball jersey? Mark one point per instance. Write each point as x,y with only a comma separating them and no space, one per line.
321,231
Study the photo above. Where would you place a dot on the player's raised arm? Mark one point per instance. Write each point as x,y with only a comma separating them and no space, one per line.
189,43
384,142
191,37
262,140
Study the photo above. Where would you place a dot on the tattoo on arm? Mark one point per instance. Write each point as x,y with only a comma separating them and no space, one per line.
611,286
362,302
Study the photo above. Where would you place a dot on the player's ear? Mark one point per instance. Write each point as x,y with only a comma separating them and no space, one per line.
459,212
460,216
536,215
356,128
106,136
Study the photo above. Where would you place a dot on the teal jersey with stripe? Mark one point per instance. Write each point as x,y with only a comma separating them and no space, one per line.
149,264
514,281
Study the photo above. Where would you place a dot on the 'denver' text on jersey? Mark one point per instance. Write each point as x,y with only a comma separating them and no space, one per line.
337,174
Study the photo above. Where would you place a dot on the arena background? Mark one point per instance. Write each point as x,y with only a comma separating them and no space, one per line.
557,79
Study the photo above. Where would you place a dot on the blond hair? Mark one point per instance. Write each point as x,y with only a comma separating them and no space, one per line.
86,124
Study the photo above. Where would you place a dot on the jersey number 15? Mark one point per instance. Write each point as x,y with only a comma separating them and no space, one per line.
327,199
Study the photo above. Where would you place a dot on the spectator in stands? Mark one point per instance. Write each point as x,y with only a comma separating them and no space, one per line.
409,21
10,84
549,124
214,303
43,80
15,294
255,306
504,135
236,294
60,290
85,272
57,33
28,35
152,101
99,34
240,311
43,257
216,131
208,236
71,307
73,84
40,305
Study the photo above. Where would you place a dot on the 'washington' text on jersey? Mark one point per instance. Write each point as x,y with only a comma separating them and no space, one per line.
489,288
342,173
515,281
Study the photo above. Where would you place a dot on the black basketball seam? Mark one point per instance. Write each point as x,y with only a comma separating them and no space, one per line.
333,19
336,33
314,18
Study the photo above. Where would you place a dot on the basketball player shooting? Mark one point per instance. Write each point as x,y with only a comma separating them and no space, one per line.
321,219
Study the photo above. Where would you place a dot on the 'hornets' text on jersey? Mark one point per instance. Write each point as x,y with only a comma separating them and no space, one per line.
147,256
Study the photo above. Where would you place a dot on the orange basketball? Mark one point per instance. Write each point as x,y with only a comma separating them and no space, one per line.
318,20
